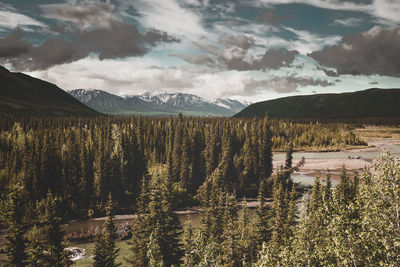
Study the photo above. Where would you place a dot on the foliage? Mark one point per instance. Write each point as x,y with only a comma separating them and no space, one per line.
105,249
354,224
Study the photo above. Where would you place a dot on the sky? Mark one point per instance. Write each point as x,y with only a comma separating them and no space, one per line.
248,50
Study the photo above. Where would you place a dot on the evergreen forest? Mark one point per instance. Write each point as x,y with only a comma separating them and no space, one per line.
56,170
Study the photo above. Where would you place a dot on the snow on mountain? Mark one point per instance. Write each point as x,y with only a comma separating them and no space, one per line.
174,99
231,104
162,103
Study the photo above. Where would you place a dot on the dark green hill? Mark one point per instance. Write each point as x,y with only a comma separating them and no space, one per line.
370,103
21,94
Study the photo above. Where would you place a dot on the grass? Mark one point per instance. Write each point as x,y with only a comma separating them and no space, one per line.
378,133
88,261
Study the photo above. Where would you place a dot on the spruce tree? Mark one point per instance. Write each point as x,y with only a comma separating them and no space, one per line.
12,212
36,255
158,213
263,228
154,253
230,244
185,173
188,244
50,223
105,249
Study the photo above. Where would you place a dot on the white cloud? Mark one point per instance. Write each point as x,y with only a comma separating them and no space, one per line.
11,20
386,11
348,22
308,42
169,16
327,4
86,14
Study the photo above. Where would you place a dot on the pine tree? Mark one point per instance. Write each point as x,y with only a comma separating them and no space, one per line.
50,222
266,149
198,164
379,198
177,153
227,167
185,171
141,227
157,213
154,253
188,244
105,249
12,212
247,237
263,229
289,157
36,255
230,244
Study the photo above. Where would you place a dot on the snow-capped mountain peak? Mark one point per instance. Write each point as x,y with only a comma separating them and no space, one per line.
171,103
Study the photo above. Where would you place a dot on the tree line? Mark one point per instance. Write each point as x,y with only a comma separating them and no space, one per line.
83,160
336,227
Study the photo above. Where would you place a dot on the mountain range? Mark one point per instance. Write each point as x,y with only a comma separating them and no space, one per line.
156,104
370,103
23,95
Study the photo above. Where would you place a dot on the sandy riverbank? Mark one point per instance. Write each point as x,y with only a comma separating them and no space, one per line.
318,165
353,162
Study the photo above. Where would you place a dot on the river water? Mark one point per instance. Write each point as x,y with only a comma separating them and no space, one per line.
367,155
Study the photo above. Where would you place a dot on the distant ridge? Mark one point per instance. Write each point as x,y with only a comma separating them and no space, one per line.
370,103
23,95
156,104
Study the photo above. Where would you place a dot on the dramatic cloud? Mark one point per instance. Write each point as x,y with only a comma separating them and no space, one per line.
234,55
86,27
372,52
283,84
23,56
275,59
243,49
118,41
13,46
121,40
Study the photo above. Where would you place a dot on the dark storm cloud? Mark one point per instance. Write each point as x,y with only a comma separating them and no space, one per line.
13,46
24,56
122,40
117,41
271,18
84,28
276,58
288,84
52,52
236,59
372,52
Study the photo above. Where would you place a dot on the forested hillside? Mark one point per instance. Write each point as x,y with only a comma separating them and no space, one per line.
371,103
23,95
